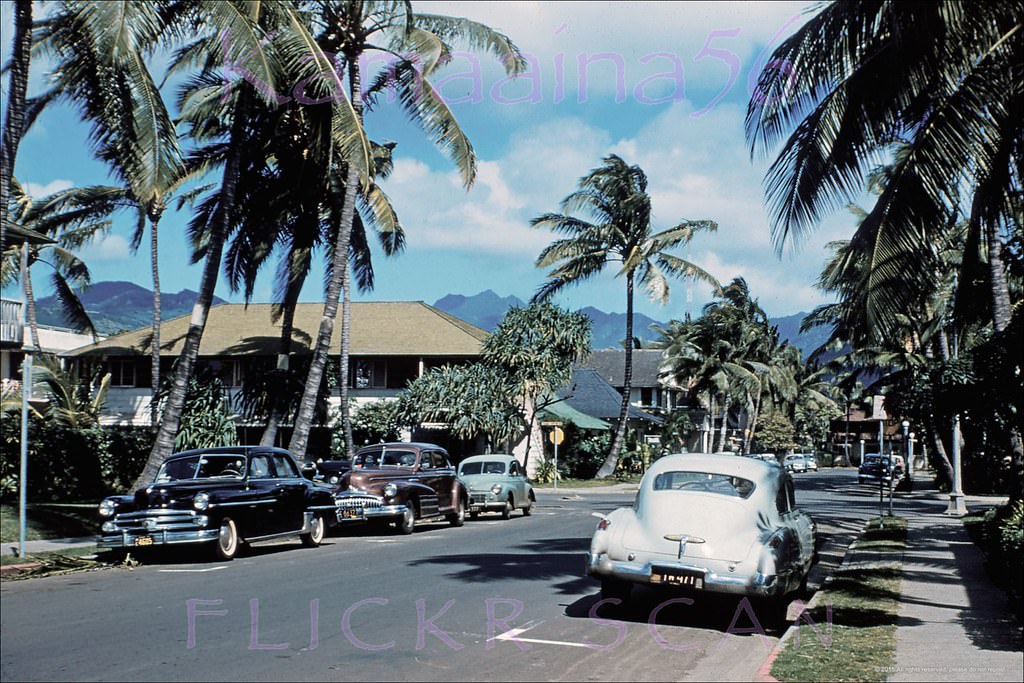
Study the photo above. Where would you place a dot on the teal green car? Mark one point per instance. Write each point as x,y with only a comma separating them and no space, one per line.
496,483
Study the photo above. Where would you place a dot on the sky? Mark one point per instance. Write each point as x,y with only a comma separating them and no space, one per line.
663,85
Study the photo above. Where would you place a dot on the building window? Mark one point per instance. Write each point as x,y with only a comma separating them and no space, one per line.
647,396
369,374
122,373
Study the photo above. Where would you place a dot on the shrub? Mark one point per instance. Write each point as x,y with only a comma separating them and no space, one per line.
125,457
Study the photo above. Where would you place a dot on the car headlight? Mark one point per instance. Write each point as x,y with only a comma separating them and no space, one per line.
334,479
201,501
202,520
107,508
109,527
390,490
496,489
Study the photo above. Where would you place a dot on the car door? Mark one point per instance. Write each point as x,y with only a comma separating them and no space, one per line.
443,478
518,482
290,491
258,512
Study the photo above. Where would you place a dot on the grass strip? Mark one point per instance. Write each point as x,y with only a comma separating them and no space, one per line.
49,520
589,483
850,635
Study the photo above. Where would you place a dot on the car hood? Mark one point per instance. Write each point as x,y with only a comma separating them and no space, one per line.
373,480
718,528
180,493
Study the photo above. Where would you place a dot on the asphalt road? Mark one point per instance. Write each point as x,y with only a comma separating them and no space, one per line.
493,600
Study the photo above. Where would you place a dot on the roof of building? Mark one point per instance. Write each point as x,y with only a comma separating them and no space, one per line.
610,364
394,328
589,393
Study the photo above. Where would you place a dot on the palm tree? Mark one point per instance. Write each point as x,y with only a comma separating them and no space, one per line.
271,39
940,79
72,218
14,121
614,197
350,28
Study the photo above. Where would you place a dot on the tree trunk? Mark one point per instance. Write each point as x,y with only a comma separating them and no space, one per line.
725,424
753,423
304,420
279,388
14,125
163,445
346,342
154,373
1002,311
30,307
711,423
607,469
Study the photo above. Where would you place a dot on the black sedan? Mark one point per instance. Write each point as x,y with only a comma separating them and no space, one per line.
221,497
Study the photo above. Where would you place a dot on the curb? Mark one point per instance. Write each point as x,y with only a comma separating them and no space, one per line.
19,567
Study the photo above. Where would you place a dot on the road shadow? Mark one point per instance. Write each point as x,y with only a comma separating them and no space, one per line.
557,560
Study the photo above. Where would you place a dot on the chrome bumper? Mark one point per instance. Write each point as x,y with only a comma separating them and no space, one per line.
601,566
161,526
131,539
361,507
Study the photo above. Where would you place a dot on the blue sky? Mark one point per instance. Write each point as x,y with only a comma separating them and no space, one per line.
663,85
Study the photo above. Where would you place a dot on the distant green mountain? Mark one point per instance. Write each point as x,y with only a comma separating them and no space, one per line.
118,306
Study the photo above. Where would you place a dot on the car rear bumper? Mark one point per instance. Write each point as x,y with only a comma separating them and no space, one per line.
759,585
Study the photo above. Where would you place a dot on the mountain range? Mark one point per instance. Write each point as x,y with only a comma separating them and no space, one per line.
118,306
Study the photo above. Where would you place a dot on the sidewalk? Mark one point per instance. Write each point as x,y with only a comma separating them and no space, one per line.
953,624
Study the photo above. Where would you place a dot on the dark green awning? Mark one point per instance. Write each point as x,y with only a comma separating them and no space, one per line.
565,412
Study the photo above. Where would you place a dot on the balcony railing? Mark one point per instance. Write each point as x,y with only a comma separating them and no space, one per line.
10,322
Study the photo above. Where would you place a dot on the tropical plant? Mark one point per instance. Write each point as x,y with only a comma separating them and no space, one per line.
616,228
936,88
71,219
422,44
207,421
14,118
376,422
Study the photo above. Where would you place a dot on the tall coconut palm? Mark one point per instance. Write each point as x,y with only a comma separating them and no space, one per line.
617,229
942,79
270,39
14,118
350,28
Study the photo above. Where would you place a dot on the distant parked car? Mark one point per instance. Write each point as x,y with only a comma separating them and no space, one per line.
221,497
706,523
496,483
887,467
404,483
811,461
330,472
794,462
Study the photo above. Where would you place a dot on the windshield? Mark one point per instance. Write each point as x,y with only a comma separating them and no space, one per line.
219,465
485,467
397,458
725,485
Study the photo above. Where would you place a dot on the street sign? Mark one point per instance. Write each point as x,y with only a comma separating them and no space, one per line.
552,423
556,436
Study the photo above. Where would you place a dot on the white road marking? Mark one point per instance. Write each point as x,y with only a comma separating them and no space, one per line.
513,635
193,571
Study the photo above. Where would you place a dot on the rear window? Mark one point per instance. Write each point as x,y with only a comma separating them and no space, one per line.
705,482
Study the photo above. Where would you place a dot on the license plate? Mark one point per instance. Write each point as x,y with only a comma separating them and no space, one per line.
144,540
677,577
351,513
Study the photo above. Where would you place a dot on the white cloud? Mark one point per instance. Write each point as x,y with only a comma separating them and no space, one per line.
37,191
108,248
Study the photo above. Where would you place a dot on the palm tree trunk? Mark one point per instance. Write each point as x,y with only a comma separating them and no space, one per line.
753,424
279,391
154,373
30,308
14,125
304,420
346,342
607,468
725,423
1002,311
711,422
163,445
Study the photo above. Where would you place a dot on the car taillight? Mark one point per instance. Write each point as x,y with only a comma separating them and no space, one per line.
603,524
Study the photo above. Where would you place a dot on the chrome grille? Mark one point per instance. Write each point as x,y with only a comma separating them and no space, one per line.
478,498
365,502
155,520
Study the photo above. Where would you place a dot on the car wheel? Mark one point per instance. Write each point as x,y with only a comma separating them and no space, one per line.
316,533
614,588
226,545
528,510
407,522
458,518
506,511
